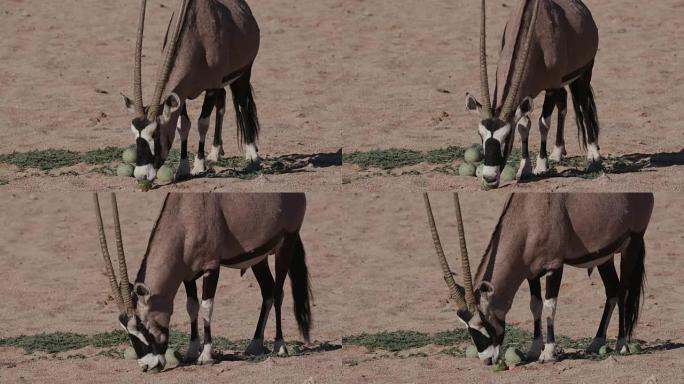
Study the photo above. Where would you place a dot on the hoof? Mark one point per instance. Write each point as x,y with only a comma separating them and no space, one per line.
558,154
596,344
535,350
542,166
216,153
621,346
279,348
525,170
593,154
193,352
199,167
549,354
183,171
255,348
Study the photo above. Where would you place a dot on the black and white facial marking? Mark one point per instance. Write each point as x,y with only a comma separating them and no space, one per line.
487,334
147,137
149,340
497,137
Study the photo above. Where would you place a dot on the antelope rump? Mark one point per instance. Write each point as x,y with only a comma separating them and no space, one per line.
536,236
194,236
213,44
547,45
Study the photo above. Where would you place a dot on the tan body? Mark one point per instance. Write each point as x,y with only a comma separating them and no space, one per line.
543,232
220,40
200,232
536,236
565,40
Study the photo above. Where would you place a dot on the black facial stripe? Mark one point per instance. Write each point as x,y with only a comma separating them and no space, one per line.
481,341
144,154
492,153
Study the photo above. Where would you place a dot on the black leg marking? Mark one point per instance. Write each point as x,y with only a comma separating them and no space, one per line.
184,140
536,305
562,107
203,123
545,118
611,283
209,284
220,104
553,283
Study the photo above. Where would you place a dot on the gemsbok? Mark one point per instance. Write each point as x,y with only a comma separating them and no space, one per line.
537,234
194,235
547,45
212,45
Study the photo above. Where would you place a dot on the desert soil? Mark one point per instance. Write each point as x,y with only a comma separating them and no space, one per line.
65,63
373,269
416,61
53,280
395,283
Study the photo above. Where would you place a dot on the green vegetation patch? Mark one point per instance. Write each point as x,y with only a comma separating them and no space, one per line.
390,341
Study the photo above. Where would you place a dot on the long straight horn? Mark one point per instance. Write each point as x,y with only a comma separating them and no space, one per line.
107,259
454,289
123,270
137,72
465,261
484,77
167,63
520,65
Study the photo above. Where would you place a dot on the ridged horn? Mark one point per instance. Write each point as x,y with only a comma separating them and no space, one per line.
137,71
484,77
107,259
455,291
123,269
520,65
465,261
167,63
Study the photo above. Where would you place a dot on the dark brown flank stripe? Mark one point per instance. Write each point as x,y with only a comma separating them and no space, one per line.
608,250
257,252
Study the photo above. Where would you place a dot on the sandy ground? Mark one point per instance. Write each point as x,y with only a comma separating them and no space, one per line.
56,56
53,280
373,269
406,52
395,283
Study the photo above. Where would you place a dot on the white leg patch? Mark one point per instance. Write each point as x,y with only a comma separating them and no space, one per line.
550,307
549,353
279,348
558,153
593,154
207,309
205,356
251,153
542,166
216,153
621,346
199,167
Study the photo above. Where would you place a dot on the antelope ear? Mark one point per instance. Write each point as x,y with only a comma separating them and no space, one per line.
171,105
524,109
485,290
472,105
142,292
128,103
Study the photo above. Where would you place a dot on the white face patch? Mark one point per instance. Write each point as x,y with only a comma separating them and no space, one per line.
476,324
500,135
152,361
490,172
491,352
146,134
145,172
133,331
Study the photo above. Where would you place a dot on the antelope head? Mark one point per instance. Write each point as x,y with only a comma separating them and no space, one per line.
147,329
497,124
154,131
486,329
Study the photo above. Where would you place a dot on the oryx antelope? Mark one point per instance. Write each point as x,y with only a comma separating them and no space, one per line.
547,45
194,235
213,44
537,234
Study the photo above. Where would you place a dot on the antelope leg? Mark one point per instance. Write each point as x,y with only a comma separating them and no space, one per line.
200,165
611,284
192,306
217,146
265,279
562,106
525,169
209,283
536,306
183,127
553,282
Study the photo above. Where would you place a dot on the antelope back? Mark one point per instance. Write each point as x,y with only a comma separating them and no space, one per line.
565,40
